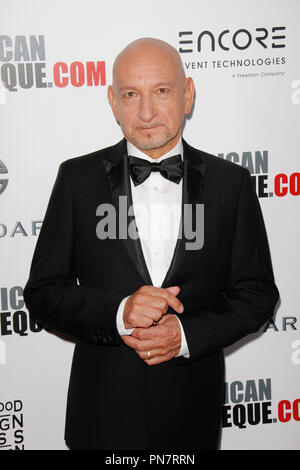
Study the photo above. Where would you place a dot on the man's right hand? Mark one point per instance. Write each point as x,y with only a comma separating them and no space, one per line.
148,304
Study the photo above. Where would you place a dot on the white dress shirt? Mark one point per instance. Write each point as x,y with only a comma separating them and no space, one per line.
157,210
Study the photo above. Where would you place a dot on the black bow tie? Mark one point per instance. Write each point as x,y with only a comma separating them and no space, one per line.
170,168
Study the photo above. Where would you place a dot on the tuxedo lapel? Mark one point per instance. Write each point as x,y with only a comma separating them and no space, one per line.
117,170
192,193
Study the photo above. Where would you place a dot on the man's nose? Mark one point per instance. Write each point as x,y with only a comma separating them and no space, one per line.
147,109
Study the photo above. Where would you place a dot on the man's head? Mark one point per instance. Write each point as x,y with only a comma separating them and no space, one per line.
150,95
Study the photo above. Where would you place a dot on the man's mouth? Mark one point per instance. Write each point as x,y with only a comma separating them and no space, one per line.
149,128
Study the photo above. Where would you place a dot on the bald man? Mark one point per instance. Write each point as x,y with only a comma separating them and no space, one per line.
150,290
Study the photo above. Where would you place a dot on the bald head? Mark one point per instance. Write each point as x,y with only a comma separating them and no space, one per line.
145,50
150,95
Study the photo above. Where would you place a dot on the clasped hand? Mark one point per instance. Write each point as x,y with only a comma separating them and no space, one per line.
148,305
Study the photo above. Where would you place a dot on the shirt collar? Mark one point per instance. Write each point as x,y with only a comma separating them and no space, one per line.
132,150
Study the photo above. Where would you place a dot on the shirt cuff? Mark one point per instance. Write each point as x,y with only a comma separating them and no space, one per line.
120,324
184,350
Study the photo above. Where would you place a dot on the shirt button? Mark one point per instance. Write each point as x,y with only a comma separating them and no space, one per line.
156,252
156,188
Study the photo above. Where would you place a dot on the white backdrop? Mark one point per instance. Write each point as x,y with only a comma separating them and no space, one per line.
246,69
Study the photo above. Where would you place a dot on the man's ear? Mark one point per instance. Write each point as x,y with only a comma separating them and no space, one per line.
189,93
112,101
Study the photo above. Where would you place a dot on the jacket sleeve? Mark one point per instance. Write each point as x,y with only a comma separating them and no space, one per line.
52,294
250,294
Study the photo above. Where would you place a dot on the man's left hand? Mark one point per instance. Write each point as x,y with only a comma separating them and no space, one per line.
162,341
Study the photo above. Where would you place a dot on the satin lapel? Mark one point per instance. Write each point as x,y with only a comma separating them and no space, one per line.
192,193
119,183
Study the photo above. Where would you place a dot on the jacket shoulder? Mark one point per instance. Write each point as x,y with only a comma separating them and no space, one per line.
218,164
92,159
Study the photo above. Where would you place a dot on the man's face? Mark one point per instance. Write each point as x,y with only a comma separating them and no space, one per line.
150,98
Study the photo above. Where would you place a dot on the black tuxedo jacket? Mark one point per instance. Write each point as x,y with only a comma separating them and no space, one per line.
77,281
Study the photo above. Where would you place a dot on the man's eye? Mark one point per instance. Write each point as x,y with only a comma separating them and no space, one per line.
162,90
130,94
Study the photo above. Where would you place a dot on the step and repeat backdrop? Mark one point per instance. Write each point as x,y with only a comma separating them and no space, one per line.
55,66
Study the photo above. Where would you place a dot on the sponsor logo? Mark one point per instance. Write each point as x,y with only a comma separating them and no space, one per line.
249,403
24,229
11,425
14,318
206,44
257,162
227,40
3,181
282,324
23,65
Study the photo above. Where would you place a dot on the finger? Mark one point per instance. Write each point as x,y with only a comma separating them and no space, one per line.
143,316
149,333
153,305
142,345
174,290
167,294
149,301
167,318
149,313
159,358
130,341
154,354
170,296
153,361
